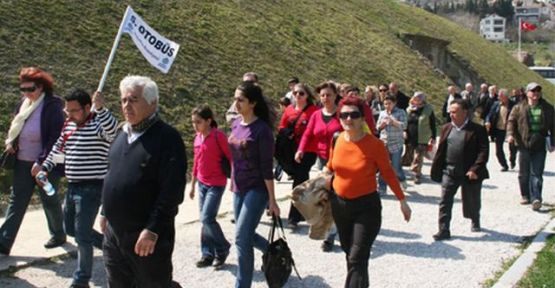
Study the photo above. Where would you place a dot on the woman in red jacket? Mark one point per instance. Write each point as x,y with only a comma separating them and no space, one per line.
318,135
297,116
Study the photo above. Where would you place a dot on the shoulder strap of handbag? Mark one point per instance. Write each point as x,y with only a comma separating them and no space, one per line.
299,117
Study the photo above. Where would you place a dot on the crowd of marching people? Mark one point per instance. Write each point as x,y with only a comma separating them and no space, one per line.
134,172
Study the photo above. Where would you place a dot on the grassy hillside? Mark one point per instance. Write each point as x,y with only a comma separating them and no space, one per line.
355,41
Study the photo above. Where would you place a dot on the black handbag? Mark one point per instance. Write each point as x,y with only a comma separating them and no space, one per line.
7,160
286,147
224,162
277,261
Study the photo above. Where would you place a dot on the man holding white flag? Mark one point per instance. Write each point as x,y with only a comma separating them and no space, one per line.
159,51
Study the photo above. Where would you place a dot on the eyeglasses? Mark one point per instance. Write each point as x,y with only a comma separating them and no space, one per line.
28,89
352,114
300,93
72,111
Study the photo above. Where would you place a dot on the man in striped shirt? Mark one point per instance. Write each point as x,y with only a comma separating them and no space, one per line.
83,147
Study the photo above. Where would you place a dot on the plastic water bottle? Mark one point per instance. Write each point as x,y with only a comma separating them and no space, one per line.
46,185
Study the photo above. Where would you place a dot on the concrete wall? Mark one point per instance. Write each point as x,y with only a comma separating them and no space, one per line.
445,62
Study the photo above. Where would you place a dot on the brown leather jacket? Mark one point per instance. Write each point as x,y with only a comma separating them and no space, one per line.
519,127
311,199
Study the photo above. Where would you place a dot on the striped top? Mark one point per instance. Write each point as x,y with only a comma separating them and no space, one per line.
85,147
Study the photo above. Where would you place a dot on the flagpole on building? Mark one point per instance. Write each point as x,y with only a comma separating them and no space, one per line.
519,37
113,52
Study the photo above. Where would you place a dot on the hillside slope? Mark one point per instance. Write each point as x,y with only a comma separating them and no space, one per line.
355,41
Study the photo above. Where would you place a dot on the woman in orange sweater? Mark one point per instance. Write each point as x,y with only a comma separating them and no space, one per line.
356,207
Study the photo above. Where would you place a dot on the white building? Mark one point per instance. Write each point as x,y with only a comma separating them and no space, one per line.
492,28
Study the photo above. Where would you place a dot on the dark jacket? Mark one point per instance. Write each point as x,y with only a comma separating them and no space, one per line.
476,151
402,100
145,182
518,125
485,105
51,123
493,114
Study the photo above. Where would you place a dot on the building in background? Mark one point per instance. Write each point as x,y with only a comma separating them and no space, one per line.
492,27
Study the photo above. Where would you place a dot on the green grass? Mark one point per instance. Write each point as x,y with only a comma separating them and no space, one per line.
507,263
356,41
543,54
541,274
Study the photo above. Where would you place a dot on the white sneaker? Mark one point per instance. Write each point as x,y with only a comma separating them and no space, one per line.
404,184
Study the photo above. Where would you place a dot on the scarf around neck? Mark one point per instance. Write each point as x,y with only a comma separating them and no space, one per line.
146,123
26,109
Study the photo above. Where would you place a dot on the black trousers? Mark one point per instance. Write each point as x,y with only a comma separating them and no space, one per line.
471,199
358,222
302,171
125,269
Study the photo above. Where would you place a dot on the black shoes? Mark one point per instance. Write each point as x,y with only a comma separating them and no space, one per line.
74,285
505,169
54,242
536,205
4,250
513,165
327,246
204,262
220,261
217,262
442,235
475,227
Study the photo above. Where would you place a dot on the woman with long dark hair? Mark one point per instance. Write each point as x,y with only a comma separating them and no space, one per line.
33,131
210,149
252,176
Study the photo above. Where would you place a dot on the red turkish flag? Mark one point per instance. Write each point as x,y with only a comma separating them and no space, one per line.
527,26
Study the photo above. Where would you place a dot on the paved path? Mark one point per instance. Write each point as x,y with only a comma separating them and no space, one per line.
404,254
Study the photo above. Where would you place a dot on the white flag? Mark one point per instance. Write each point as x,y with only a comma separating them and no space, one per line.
157,49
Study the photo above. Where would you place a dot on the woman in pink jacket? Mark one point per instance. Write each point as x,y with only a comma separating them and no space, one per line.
319,134
210,147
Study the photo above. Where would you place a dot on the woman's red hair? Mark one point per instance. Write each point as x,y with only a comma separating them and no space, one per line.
34,74
352,101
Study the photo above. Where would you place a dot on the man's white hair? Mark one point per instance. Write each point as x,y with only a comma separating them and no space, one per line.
132,82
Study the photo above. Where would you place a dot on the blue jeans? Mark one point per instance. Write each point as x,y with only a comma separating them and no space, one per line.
395,158
248,208
80,209
212,239
531,165
23,186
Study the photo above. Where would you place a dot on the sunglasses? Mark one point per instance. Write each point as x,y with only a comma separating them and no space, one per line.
352,114
300,93
28,89
383,90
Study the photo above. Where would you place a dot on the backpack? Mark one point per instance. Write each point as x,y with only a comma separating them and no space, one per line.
277,261
224,162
